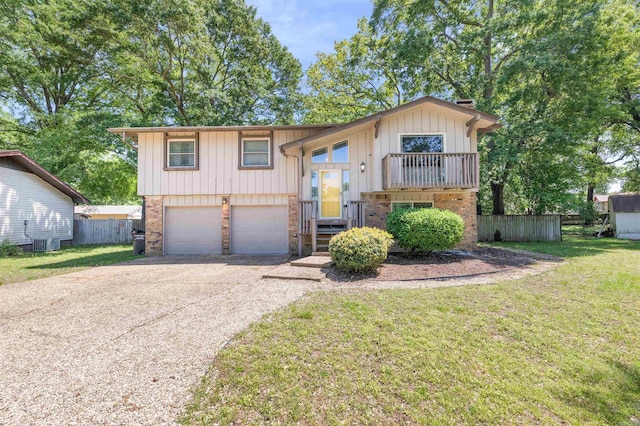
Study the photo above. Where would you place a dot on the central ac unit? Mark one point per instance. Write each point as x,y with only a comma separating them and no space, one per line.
46,244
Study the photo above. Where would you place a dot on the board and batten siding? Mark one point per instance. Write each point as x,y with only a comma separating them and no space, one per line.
359,152
364,147
218,167
425,118
24,196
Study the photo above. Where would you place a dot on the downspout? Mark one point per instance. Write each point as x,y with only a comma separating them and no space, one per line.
301,174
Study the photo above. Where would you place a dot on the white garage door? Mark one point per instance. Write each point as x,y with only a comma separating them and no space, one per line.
193,230
259,230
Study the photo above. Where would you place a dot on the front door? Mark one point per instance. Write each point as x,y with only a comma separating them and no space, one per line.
330,199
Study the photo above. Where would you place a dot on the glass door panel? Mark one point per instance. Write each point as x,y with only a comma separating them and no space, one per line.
330,200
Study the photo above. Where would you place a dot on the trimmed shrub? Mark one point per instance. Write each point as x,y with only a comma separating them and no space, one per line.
7,248
425,230
360,249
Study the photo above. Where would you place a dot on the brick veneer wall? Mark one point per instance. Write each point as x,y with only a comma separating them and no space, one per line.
464,204
153,226
293,223
378,206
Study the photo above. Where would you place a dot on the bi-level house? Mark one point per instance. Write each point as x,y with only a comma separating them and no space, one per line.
288,189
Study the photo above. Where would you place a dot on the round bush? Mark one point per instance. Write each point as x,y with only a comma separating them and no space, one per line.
7,248
425,230
360,249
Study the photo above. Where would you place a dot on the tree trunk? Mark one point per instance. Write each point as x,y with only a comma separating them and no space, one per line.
590,190
488,67
497,191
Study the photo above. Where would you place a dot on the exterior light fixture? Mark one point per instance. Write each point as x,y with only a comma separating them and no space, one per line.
362,167
224,200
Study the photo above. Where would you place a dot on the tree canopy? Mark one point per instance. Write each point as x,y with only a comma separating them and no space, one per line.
69,69
563,77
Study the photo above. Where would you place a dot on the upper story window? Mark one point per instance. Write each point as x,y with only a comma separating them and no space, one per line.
182,153
256,153
339,154
320,156
422,143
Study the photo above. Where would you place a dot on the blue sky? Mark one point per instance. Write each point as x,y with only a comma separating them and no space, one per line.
310,26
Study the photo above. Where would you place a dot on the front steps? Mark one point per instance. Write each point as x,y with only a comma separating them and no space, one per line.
326,230
307,268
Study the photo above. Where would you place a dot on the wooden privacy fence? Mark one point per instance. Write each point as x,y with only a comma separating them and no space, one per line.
104,231
520,228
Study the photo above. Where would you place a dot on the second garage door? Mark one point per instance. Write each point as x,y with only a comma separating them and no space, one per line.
259,230
193,230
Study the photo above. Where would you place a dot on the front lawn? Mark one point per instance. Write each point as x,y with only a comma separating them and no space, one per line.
561,347
31,266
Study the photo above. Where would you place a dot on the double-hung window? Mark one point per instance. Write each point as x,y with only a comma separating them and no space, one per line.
182,153
255,153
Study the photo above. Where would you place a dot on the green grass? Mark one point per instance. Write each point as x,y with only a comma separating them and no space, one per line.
561,347
576,241
31,266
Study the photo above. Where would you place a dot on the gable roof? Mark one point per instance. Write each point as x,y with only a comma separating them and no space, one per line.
379,115
625,203
21,159
601,198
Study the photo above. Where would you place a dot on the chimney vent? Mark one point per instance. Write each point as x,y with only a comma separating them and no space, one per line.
466,103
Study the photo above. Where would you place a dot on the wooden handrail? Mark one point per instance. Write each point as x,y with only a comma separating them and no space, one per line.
434,170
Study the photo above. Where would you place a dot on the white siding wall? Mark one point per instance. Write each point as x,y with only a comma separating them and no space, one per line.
216,200
218,168
24,196
627,225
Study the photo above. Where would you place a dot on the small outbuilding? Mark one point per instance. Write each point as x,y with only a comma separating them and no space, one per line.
624,211
36,208
108,212
601,203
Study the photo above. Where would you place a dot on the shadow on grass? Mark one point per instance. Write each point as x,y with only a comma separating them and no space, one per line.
125,256
575,246
86,261
623,383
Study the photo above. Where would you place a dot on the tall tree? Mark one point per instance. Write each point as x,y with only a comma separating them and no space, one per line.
541,65
202,62
71,68
358,79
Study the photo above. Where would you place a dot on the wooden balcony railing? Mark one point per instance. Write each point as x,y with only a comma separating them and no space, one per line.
402,171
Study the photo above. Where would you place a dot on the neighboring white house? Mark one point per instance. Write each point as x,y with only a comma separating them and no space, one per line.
288,188
33,202
624,210
108,212
601,203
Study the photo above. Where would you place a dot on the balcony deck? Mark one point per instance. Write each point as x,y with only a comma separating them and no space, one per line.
426,171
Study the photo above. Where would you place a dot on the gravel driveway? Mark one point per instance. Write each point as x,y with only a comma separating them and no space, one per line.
124,344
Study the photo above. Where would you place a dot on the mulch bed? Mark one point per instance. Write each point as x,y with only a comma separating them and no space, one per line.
401,267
